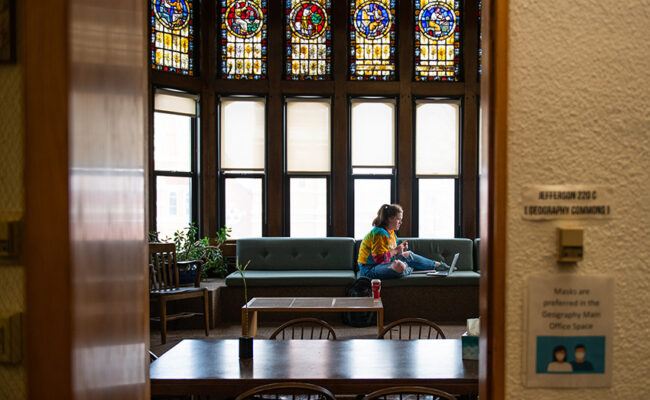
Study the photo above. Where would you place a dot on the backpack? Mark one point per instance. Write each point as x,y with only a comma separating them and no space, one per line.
360,288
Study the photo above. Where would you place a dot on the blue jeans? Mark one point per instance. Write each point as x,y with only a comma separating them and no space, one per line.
383,271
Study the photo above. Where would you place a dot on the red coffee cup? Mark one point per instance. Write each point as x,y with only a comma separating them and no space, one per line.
376,288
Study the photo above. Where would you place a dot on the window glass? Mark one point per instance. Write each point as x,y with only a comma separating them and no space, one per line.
308,136
373,134
369,195
436,138
308,207
309,39
169,216
244,207
172,36
243,39
242,134
172,142
372,39
436,212
437,40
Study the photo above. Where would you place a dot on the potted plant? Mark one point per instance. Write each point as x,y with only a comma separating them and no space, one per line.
246,341
191,252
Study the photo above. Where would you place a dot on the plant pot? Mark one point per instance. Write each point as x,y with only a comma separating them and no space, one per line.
187,272
245,347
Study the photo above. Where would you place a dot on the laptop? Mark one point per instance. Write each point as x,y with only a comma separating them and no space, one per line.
433,272
452,268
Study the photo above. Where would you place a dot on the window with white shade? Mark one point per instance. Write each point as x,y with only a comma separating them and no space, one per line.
308,165
174,157
437,133
372,159
242,164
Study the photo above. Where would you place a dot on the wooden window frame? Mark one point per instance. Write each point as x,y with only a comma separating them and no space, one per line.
276,88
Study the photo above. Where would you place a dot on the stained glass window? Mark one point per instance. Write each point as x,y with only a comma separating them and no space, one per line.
243,39
172,36
308,39
372,39
437,40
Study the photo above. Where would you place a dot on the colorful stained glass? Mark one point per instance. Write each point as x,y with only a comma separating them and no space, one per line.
172,36
372,40
243,39
437,40
309,39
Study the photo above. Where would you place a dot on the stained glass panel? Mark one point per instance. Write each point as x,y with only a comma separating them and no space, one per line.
172,36
372,39
437,40
243,39
308,39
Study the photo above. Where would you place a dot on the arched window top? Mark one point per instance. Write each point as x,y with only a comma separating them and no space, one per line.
308,31
437,40
172,36
243,39
373,32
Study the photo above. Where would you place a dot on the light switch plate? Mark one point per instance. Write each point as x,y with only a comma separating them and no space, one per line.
11,338
570,244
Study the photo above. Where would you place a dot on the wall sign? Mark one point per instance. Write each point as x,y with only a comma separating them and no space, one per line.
569,331
567,202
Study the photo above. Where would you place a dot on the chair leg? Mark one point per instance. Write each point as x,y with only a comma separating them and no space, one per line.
206,313
163,321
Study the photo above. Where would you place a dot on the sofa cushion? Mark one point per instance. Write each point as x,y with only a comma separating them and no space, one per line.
258,278
458,278
304,254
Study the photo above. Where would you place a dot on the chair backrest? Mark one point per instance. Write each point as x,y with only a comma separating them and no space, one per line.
409,392
304,328
411,328
288,390
163,267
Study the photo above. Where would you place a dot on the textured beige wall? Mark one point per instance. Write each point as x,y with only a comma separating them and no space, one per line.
579,113
12,292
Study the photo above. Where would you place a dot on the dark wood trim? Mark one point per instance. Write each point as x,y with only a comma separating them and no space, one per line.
493,199
405,123
275,121
47,270
340,143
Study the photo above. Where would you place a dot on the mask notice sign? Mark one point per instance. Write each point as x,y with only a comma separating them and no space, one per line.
541,202
568,338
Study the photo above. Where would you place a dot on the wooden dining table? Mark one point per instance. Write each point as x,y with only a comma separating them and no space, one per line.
355,366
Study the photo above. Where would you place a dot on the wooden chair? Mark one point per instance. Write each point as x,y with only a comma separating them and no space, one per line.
409,393
304,328
411,328
287,391
164,287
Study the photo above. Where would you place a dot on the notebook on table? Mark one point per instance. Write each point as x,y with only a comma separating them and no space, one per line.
433,272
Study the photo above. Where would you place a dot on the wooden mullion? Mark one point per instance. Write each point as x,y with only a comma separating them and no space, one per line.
340,117
469,141
207,173
275,120
405,135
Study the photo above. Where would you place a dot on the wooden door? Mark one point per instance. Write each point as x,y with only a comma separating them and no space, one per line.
85,73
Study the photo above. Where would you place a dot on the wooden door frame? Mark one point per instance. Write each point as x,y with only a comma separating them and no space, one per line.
493,198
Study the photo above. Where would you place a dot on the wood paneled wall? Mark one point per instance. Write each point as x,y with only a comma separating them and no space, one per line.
85,257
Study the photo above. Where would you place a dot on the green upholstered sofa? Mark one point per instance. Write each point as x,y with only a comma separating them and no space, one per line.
313,267
281,261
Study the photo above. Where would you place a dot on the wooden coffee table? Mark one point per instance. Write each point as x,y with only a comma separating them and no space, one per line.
309,304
